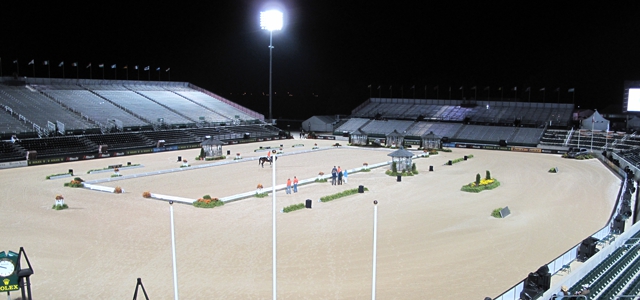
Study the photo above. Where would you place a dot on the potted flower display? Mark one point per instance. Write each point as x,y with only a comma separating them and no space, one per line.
238,156
260,187
59,203
184,163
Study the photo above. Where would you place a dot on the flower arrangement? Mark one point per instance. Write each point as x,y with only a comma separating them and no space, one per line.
238,156
184,163
315,146
118,190
59,205
116,173
259,192
207,202
76,182
146,194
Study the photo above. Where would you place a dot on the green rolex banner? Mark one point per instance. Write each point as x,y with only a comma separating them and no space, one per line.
9,266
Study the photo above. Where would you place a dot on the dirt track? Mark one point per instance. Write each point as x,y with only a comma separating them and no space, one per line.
434,241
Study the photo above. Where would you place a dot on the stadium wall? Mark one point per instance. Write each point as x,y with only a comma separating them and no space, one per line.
128,152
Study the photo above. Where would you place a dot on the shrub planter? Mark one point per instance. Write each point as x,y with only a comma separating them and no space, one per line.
485,184
340,195
293,207
56,176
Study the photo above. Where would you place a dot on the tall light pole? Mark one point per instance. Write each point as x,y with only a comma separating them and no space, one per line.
375,249
271,20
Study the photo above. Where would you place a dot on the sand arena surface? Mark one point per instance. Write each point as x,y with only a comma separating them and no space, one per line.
434,241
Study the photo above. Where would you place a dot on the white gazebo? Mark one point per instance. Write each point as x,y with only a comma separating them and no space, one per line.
358,138
403,159
212,148
431,141
395,139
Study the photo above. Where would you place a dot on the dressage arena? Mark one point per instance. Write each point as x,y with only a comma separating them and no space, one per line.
434,241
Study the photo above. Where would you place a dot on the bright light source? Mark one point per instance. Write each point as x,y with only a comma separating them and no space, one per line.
271,20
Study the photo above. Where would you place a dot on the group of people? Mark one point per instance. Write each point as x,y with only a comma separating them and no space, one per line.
295,185
564,293
338,176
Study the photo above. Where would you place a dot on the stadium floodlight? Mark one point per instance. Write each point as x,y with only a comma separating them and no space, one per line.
271,20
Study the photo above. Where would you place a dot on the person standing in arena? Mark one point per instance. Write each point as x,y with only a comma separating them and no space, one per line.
288,185
334,175
295,184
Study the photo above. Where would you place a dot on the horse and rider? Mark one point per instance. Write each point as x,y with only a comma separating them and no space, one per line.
267,158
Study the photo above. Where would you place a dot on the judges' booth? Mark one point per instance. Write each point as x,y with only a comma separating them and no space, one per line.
212,148
402,158
431,141
358,138
395,139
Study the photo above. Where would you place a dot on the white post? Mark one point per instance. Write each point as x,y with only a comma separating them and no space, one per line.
592,122
173,252
579,130
273,194
375,246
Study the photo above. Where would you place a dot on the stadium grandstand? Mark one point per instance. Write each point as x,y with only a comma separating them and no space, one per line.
52,120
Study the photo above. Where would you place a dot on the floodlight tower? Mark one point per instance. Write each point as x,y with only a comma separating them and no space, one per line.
271,20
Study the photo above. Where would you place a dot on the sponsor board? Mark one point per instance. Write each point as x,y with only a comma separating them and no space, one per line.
524,149
13,164
180,147
139,151
46,161
497,148
411,142
169,148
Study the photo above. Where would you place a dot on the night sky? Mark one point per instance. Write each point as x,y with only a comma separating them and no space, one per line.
329,52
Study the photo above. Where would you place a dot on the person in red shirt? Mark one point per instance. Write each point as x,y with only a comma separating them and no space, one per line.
295,184
288,185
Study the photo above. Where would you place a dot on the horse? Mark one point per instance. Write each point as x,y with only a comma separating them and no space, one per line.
264,159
